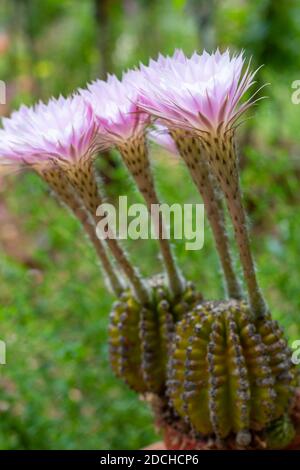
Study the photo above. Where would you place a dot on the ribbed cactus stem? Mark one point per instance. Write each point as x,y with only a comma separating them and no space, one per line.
229,373
124,342
82,178
135,156
192,152
140,337
223,160
59,184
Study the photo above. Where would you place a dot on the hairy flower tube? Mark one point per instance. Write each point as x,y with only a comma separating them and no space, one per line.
202,94
122,125
186,144
58,141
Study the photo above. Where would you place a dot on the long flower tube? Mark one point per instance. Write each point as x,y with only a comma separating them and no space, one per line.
65,193
83,179
202,94
223,160
63,133
122,125
190,148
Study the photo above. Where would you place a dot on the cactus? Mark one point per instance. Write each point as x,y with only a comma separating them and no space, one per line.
229,373
140,336
124,344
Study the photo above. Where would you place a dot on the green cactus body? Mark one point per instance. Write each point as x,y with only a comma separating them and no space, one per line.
279,362
140,336
227,372
124,344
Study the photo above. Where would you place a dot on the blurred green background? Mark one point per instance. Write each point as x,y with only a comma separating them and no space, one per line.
57,390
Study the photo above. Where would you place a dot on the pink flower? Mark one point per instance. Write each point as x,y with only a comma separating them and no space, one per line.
164,62
161,136
115,105
62,130
202,92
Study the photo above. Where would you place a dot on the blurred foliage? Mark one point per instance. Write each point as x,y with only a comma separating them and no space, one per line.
57,391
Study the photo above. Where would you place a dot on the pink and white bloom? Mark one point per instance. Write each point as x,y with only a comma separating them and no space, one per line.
160,135
115,105
63,130
201,93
